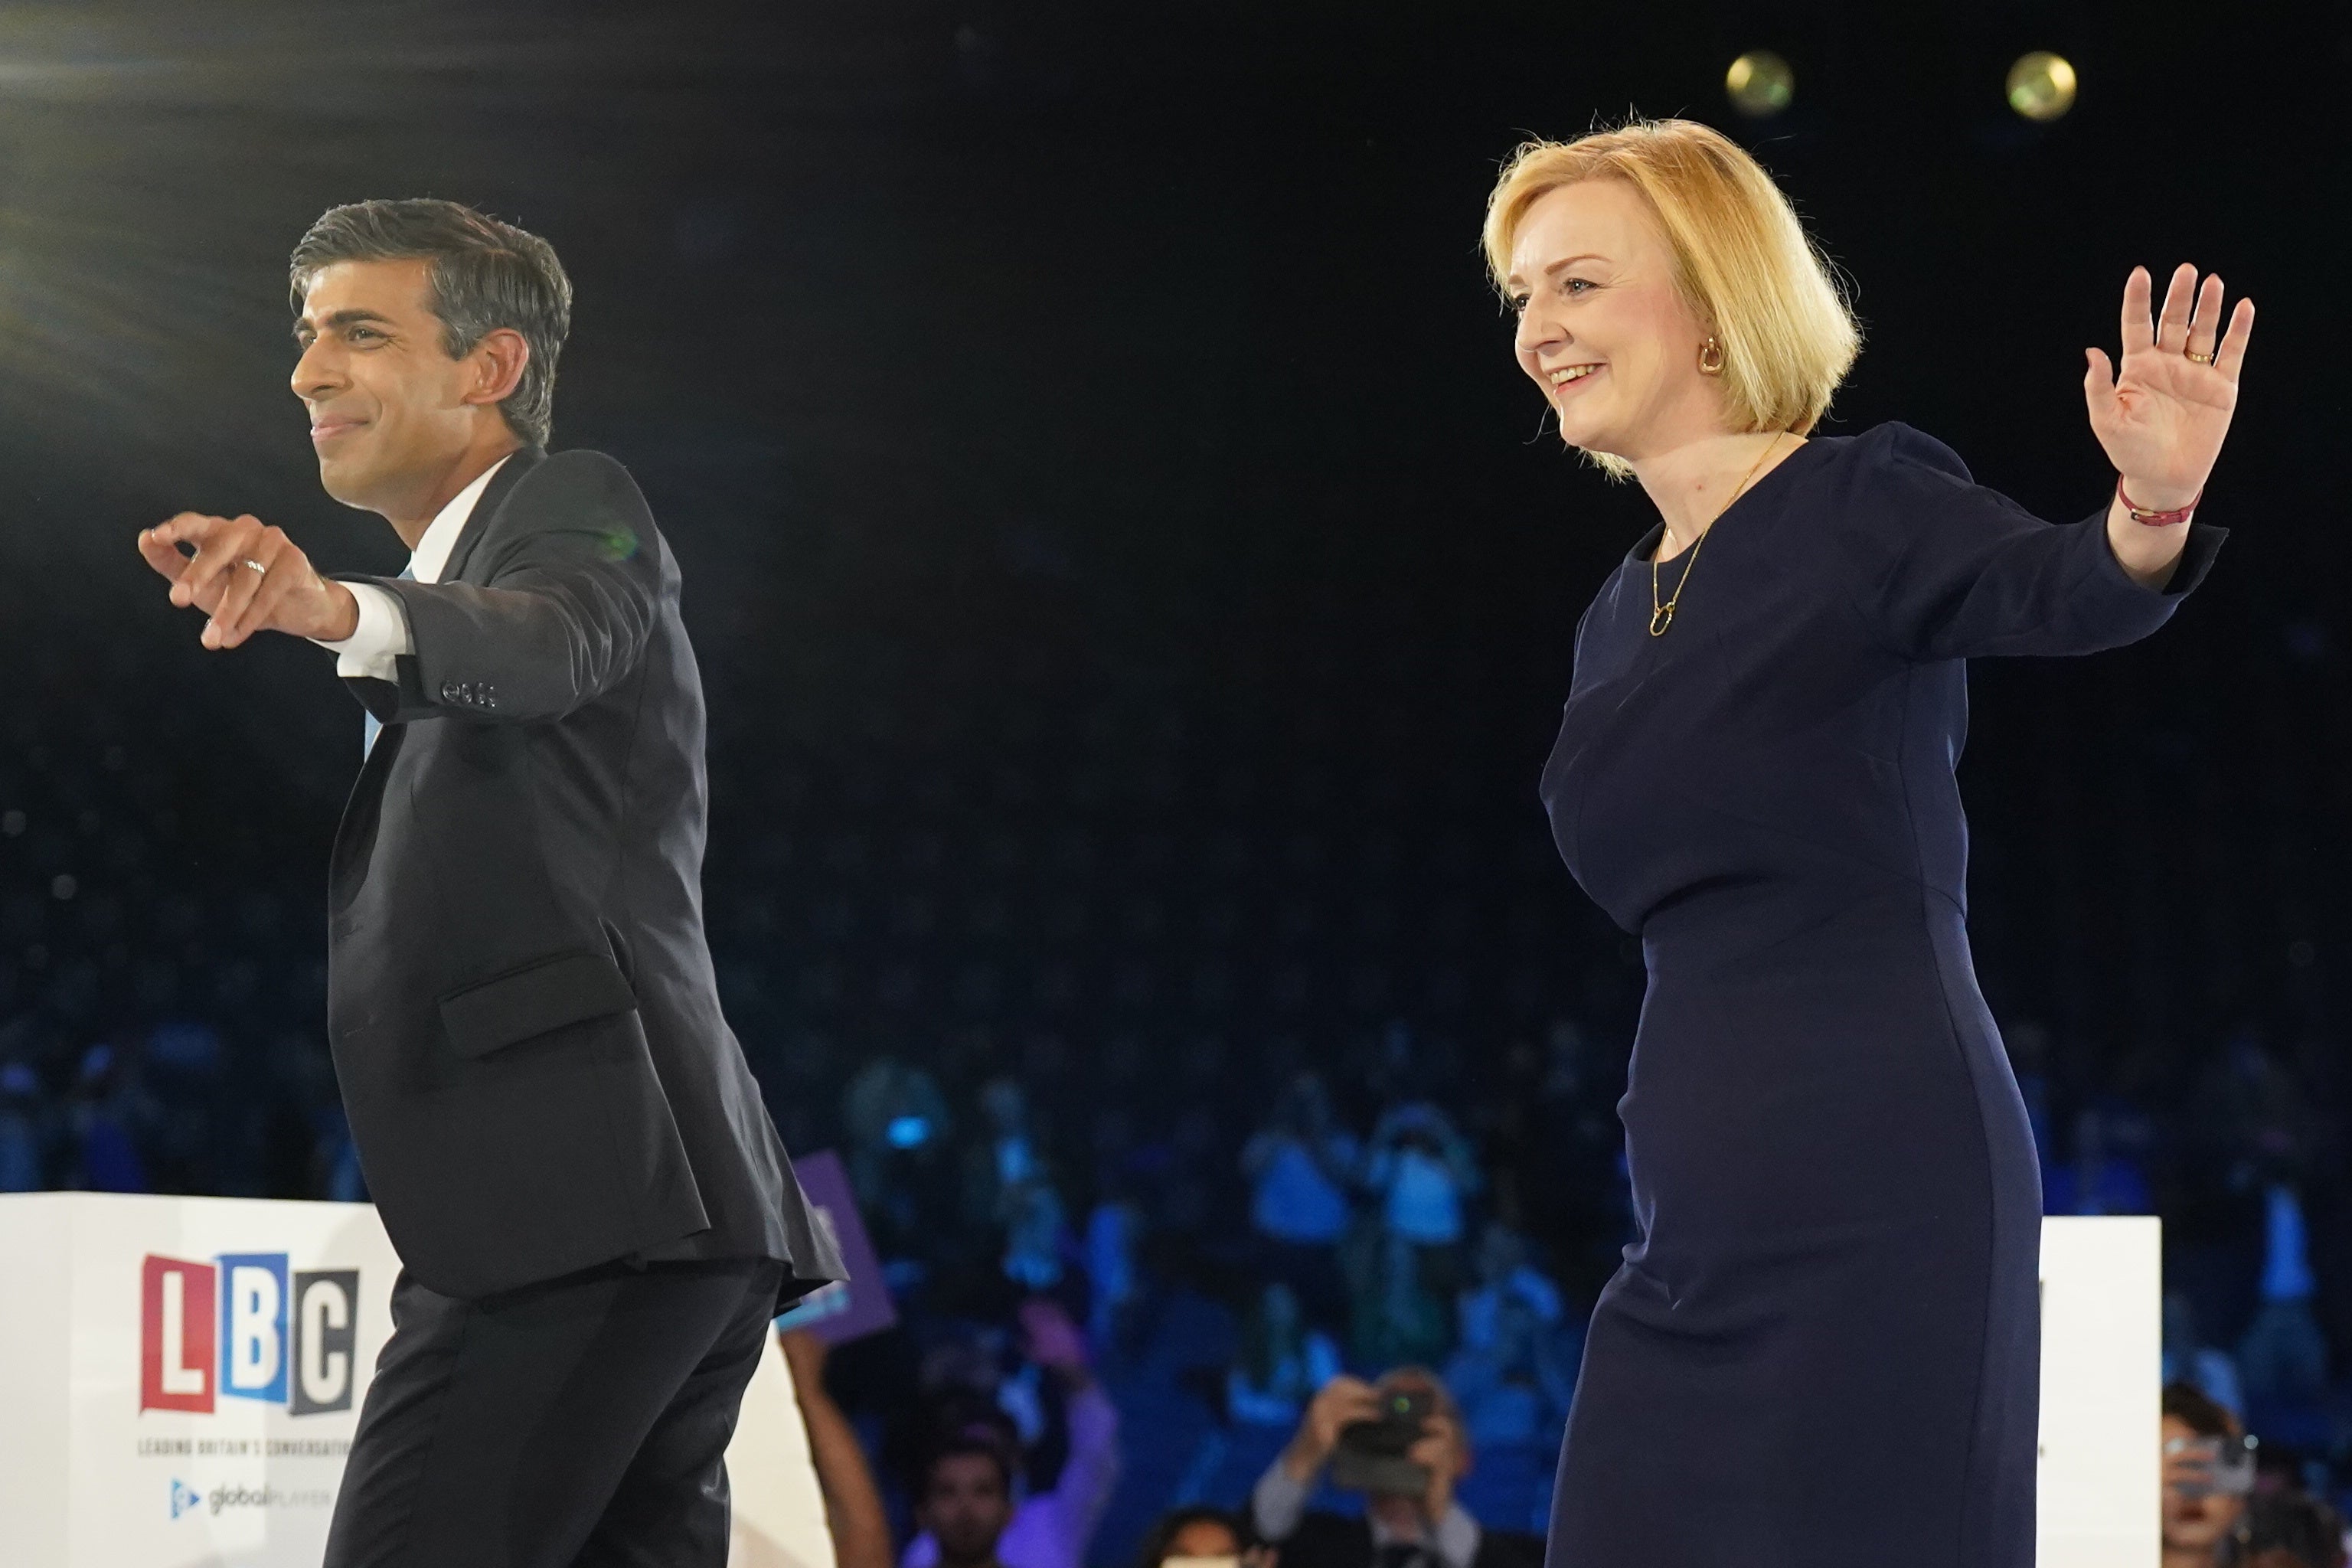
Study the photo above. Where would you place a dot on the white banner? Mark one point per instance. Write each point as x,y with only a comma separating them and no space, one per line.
180,1379
2102,1371
181,1376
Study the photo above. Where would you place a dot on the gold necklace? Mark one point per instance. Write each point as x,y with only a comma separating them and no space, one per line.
1662,615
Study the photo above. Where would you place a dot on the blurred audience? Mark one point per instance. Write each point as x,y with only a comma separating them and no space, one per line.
2283,1356
1514,1374
898,1131
1052,1529
2189,1359
110,1116
2104,1176
23,1140
1300,1167
1284,1361
1243,1260
1423,1174
1395,1316
1114,1273
1505,1274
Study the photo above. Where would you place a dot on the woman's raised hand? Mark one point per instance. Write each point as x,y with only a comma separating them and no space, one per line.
2162,417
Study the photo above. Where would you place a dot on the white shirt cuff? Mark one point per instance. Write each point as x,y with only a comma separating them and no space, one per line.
380,636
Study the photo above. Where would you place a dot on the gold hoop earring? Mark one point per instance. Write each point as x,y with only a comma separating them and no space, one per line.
1710,358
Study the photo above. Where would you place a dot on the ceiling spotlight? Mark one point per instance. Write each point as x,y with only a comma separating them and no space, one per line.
2042,85
1760,82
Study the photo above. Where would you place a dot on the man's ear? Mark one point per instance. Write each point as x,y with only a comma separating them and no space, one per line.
498,362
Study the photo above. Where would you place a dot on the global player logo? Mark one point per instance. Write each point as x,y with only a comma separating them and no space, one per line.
243,1326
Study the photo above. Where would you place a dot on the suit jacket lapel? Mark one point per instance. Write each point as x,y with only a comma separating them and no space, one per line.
493,496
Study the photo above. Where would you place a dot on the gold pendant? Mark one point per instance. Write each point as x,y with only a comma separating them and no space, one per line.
1660,619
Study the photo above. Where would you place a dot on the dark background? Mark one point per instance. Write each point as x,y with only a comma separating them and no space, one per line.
1133,582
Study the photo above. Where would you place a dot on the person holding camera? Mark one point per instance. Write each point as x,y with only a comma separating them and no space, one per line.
1399,1442
2208,1471
2215,1514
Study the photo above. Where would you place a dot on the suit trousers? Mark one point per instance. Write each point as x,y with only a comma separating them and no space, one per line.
581,1421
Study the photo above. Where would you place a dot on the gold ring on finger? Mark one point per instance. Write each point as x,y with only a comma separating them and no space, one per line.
2192,353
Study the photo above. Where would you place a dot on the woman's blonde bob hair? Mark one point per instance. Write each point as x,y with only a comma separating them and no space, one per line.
1743,263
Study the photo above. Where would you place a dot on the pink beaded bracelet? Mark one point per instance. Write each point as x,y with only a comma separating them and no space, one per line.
2154,519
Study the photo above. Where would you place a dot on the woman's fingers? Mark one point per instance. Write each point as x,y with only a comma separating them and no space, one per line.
2138,332
2205,326
2191,320
2172,322
2232,355
2099,384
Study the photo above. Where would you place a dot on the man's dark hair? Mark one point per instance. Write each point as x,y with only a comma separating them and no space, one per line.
2204,1416
969,1440
481,275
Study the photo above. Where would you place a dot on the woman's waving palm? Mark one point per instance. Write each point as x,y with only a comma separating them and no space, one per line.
2162,416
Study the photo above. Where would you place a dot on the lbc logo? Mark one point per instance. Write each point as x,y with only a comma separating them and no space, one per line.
243,1326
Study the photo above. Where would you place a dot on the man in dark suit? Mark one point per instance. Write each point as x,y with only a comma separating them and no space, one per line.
595,1218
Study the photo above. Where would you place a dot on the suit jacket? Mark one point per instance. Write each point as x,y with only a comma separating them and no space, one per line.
520,999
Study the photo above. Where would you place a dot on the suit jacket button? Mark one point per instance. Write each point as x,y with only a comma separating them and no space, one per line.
450,691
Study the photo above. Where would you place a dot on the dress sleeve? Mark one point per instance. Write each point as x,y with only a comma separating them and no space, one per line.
1942,568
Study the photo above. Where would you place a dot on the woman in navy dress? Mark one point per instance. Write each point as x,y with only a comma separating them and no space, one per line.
1823,1350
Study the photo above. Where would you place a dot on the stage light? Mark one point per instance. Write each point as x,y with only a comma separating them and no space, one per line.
2042,85
1760,82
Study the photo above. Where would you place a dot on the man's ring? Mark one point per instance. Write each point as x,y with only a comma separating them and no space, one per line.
256,566
2200,358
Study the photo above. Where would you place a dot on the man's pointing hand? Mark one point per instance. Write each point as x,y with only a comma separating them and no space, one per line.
247,578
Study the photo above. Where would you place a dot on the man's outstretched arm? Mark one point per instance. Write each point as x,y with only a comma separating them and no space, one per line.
565,615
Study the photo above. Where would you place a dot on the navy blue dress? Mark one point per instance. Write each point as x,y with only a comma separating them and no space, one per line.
1822,1350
